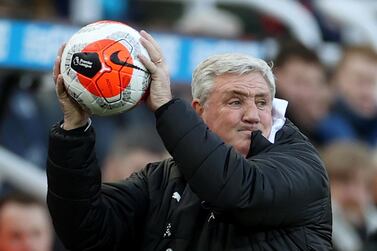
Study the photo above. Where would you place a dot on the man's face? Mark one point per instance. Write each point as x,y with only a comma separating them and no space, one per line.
357,81
25,228
303,84
121,166
236,106
351,193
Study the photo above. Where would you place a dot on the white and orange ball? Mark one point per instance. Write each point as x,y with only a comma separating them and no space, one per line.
101,69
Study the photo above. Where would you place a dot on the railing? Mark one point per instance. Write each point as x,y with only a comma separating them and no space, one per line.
22,174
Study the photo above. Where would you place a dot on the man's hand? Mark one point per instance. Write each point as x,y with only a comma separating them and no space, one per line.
74,115
160,92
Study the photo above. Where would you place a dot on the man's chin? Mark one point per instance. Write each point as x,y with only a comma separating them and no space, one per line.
244,148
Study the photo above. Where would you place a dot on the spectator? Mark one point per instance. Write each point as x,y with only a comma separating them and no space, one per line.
354,217
301,80
22,127
24,224
354,113
131,151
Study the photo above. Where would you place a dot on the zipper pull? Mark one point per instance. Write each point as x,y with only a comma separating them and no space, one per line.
211,217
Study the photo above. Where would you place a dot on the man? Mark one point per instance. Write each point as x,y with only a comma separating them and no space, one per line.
24,224
131,151
354,114
349,165
241,176
302,82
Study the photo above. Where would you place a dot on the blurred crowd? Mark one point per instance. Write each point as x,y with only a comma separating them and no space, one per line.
337,109
335,106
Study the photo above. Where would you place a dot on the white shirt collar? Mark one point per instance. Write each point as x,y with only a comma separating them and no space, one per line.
279,107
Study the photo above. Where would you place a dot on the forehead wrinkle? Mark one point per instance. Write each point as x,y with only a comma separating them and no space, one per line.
237,93
261,94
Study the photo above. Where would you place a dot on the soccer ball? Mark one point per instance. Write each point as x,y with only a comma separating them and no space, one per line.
101,70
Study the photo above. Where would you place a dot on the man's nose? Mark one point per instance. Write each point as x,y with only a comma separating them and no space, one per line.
251,114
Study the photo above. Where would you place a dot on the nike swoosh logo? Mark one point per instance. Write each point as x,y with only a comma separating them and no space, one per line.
114,58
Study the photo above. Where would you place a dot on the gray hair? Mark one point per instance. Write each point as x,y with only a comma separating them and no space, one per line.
205,73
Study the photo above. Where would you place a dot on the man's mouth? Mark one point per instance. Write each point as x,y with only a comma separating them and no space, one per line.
248,129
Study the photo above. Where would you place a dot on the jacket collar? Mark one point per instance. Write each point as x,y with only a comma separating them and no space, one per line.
258,143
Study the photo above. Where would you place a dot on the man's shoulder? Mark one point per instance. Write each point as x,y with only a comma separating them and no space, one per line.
165,170
289,137
290,131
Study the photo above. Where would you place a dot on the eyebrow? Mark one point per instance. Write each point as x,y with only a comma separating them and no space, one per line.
245,94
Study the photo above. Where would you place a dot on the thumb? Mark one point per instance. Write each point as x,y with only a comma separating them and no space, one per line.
61,91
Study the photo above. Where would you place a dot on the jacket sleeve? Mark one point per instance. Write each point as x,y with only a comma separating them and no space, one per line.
87,215
278,186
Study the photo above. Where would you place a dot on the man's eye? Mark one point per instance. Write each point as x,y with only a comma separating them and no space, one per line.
261,103
235,102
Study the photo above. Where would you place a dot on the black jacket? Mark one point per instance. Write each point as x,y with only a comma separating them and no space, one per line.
208,198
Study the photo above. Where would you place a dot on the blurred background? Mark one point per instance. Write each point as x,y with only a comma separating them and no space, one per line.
323,53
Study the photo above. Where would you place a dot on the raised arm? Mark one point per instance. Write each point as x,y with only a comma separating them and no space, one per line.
86,214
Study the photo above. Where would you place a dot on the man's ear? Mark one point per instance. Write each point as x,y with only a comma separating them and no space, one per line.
197,106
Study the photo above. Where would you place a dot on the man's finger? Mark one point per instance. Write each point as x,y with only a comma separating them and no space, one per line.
151,67
60,51
60,88
56,69
153,53
149,37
